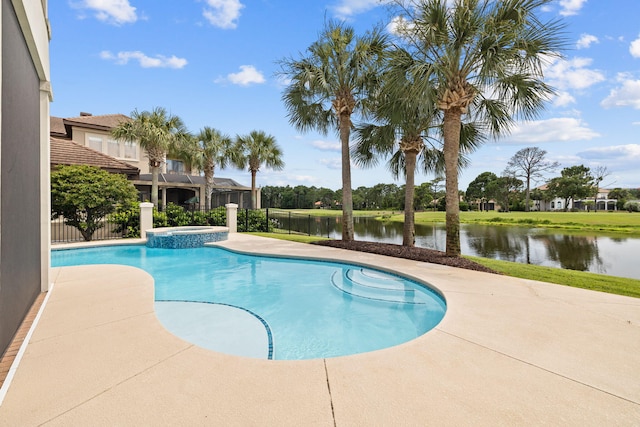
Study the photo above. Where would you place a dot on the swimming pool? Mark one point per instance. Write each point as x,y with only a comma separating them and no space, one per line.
311,309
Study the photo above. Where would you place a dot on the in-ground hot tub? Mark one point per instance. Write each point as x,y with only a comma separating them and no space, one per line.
185,237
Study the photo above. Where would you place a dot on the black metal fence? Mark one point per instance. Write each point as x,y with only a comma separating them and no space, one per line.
63,233
284,221
273,220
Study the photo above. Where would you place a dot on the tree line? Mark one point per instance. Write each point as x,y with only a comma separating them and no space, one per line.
512,193
428,195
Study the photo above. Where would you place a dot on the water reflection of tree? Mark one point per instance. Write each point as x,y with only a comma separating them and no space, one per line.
507,243
378,230
572,252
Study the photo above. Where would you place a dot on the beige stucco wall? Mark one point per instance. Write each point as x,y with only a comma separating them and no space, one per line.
80,136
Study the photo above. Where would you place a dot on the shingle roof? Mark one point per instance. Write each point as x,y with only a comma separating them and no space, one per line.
67,152
105,122
57,126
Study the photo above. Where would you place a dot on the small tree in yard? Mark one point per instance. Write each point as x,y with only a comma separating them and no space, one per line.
575,183
85,195
529,164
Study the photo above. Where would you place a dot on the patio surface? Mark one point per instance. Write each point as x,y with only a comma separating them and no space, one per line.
508,352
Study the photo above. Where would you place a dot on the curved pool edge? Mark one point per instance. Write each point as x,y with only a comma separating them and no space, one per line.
327,254
272,252
439,303
326,258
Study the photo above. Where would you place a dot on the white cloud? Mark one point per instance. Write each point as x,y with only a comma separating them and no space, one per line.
326,145
634,48
246,76
159,61
571,7
627,95
622,160
563,99
333,163
223,13
400,26
572,73
347,8
586,40
628,152
283,81
552,130
112,11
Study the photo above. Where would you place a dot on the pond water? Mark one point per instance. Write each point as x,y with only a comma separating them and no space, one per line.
614,255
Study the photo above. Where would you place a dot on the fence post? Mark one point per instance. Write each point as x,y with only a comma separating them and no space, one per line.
146,218
309,225
267,216
327,227
289,222
232,217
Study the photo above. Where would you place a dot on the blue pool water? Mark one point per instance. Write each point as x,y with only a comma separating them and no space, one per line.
314,309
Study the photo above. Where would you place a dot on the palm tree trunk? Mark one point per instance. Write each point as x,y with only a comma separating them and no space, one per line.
253,189
155,170
347,199
208,186
452,123
409,232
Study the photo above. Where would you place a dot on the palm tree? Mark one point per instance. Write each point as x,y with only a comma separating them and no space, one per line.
406,121
204,151
485,60
256,149
328,86
402,125
156,131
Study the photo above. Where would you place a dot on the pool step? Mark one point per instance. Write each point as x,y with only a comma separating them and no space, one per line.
376,279
365,283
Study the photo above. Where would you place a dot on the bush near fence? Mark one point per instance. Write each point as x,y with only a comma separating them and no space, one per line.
125,223
177,216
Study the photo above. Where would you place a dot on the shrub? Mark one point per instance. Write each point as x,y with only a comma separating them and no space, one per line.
86,195
127,221
217,217
177,216
160,219
632,206
257,221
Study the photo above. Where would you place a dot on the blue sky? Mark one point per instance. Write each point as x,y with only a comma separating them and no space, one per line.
214,63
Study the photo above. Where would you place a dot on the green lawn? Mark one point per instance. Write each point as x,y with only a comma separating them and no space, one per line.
597,221
335,213
576,279
620,222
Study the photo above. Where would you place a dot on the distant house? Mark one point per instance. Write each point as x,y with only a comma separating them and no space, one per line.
86,139
484,205
603,201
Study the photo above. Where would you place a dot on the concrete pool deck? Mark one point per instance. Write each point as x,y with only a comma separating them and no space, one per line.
508,352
